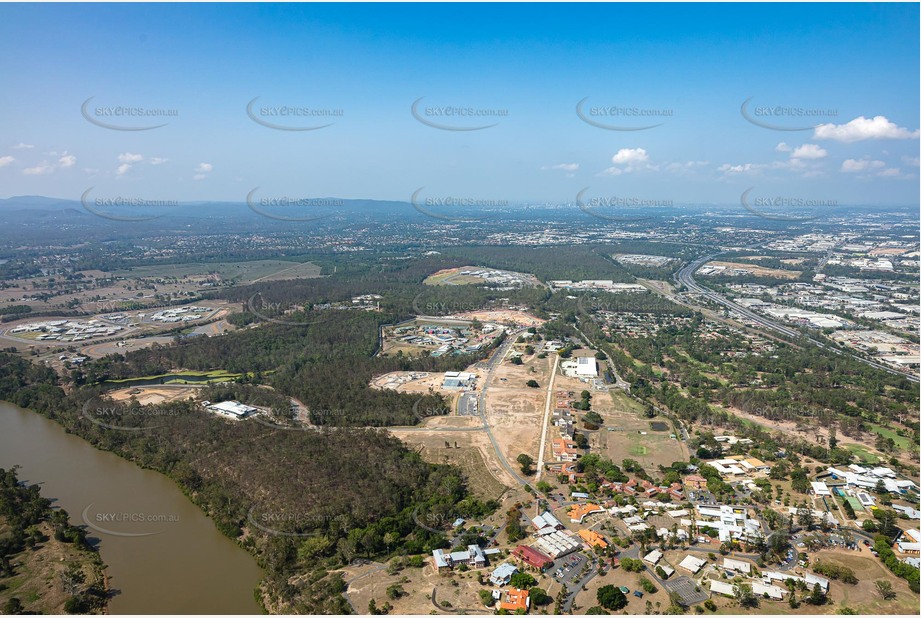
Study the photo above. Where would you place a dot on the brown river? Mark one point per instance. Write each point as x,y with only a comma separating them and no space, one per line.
164,555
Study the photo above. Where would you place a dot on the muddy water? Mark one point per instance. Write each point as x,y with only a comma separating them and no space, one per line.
163,555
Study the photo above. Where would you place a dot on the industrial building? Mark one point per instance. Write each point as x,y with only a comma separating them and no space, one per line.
458,380
230,409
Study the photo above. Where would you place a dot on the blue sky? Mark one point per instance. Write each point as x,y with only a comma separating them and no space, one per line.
853,68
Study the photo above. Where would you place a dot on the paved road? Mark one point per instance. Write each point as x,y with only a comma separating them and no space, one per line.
685,276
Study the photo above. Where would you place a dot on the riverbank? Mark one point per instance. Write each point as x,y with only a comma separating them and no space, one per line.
161,554
47,566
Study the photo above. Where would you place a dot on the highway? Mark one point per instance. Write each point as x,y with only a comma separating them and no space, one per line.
685,276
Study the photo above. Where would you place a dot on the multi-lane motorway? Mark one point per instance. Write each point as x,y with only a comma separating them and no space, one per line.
685,276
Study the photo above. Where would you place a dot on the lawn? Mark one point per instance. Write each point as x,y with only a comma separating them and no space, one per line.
863,453
900,441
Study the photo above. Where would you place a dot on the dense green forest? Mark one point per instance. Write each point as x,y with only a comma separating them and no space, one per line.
354,491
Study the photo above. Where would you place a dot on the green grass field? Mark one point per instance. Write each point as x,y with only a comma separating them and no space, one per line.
639,450
900,441
863,453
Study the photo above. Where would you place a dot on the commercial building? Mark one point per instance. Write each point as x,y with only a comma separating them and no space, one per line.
230,409
458,380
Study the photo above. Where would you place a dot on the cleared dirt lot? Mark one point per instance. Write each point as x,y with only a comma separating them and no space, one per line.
760,271
147,395
518,318
436,440
515,411
418,584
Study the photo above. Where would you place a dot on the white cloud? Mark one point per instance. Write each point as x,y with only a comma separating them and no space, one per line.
782,147
67,161
39,170
892,172
808,151
860,165
157,160
23,146
861,128
685,168
743,168
123,169
204,168
630,156
911,161
127,157
566,167
4,161
632,159
199,177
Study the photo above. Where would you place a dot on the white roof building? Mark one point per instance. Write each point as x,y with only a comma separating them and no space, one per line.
556,544
503,574
737,565
547,520
692,563
232,409
820,489
653,557
773,592
718,587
